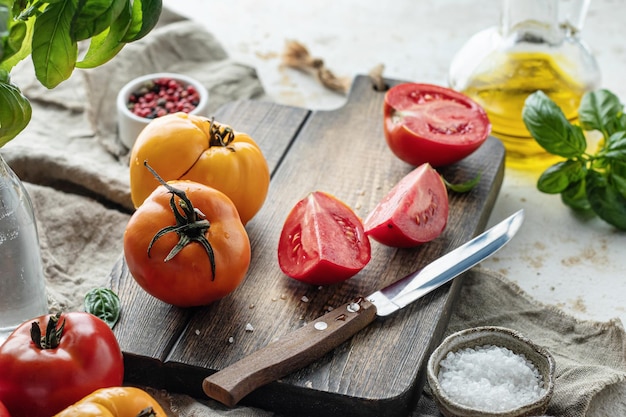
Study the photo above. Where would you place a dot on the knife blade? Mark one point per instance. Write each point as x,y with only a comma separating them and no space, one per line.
311,341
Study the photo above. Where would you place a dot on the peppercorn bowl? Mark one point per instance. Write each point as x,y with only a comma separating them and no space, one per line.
491,372
153,95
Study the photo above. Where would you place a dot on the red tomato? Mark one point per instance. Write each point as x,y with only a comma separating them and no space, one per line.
3,411
415,211
428,123
322,241
41,381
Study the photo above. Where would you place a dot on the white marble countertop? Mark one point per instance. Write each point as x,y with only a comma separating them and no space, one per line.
557,258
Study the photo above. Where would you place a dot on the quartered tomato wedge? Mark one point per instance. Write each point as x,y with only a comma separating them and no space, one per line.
427,123
322,241
415,211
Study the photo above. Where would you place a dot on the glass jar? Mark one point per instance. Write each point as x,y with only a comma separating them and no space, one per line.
22,283
536,47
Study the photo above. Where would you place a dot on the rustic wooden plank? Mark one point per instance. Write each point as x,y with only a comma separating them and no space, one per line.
148,328
381,369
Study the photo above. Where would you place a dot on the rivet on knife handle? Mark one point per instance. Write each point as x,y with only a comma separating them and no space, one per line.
293,351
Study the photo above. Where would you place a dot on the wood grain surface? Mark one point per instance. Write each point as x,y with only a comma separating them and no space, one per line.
381,370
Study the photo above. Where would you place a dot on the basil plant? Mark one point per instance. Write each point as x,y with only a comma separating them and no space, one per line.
50,31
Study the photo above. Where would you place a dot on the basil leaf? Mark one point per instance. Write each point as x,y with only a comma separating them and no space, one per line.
54,53
600,110
606,200
548,125
558,177
15,109
106,45
15,41
575,196
620,183
145,16
92,17
103,303
464,186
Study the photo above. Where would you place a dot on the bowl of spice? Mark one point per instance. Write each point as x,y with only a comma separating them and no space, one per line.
154,95
491,372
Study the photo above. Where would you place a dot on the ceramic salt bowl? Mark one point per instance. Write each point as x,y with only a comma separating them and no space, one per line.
452,405
130,125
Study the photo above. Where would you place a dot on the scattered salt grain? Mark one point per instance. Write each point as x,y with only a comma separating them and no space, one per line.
249,328
197,332
231,340
490,378
305,299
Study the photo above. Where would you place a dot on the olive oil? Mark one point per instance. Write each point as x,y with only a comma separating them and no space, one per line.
502,83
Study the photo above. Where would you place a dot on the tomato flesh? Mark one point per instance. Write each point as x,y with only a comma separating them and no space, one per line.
415,211
427,123
322,241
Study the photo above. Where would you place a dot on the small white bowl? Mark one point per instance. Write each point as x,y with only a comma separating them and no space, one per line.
130,125
496,336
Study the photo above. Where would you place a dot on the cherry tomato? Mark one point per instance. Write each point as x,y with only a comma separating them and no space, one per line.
322,241
207,267
76,354
181,146
415,211
427,123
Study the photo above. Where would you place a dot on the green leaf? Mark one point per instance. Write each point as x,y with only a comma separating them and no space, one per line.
575,196
600,110
146,15
15,110
464,186
106,45
15,43
103,303
548,125
606,200
559,176
620,183
92,17
54,52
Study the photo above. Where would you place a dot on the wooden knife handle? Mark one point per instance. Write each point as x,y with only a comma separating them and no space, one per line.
289,353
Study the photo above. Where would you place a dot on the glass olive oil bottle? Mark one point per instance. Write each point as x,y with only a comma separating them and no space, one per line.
531,50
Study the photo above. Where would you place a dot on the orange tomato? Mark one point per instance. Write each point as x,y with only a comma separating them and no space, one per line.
190,147
115,402
214,248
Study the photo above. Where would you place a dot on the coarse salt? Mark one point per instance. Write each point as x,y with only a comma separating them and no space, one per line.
490,378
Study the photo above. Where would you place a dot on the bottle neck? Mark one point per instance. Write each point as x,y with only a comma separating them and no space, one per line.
532,21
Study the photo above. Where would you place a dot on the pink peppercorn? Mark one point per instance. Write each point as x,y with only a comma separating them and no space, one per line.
162,96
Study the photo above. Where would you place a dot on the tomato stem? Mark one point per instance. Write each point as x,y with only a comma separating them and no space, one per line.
191,226
147,412
52,338
223,137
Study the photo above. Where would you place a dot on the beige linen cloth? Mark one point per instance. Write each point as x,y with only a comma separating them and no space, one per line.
75,171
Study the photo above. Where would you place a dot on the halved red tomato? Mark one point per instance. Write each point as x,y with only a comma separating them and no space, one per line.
428,123
322,241
3,411
415,211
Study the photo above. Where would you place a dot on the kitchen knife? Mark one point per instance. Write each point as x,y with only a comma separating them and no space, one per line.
308,343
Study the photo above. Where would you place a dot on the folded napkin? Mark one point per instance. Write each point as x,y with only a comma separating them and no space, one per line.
75,170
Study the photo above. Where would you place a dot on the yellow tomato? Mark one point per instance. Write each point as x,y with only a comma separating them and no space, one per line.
188,147
115,402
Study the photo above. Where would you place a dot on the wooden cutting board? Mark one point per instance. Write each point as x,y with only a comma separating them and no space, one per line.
380,371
